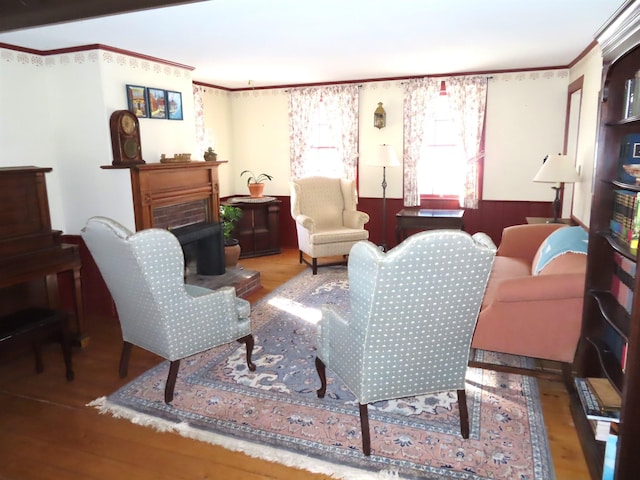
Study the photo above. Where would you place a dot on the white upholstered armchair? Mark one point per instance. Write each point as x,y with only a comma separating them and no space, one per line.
144,272
412,316
327,221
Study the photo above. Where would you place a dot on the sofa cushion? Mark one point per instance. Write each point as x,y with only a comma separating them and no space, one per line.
562,241
504,268
569,262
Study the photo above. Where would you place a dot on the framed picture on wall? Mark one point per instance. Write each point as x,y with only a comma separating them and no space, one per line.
156,100
137,101
174,105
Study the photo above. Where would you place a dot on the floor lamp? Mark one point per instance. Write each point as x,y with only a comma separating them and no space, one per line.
384,157
557,169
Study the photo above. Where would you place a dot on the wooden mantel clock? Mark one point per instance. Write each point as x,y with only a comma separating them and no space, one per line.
125,138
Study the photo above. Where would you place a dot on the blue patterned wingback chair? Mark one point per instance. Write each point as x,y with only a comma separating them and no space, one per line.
144,273
412,315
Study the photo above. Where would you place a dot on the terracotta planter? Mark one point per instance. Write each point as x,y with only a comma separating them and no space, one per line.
231,255
256,189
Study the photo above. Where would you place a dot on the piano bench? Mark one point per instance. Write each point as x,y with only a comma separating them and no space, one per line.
35,325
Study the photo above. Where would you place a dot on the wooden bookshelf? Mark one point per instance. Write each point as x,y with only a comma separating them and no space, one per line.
604,318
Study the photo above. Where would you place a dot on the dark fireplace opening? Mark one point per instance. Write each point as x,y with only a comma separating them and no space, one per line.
203,241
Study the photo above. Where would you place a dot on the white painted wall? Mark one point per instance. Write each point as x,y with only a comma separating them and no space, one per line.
525,121
56,113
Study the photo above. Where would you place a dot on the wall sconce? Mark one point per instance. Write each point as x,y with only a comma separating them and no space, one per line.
379,117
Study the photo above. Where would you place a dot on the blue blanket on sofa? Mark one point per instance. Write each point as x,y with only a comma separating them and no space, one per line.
563,240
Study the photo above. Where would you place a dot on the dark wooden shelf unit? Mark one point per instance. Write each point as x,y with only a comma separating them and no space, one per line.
258,230
603,316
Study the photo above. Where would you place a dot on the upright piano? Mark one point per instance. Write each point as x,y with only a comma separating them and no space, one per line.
31,253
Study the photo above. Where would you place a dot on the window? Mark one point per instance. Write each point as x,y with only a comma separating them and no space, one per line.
433,145
322,156
323,131
441,166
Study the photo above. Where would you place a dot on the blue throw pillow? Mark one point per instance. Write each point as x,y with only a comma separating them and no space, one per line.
563,240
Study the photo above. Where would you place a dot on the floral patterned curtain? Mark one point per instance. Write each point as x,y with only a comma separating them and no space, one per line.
419,93
198,107
468,98
341,104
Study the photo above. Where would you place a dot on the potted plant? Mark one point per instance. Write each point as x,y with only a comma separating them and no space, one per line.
229,216
256,182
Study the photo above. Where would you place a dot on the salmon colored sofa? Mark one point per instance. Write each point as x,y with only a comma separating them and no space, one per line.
534,315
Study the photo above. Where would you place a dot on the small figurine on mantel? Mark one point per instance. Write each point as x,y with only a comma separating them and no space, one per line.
210,155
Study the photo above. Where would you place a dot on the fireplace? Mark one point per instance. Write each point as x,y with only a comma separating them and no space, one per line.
177,196
183,198
171,195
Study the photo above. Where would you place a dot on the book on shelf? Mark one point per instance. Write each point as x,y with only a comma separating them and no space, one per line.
590,405
629,157
622,280
616,344
610,452
607,396
601,429
635,226
625,221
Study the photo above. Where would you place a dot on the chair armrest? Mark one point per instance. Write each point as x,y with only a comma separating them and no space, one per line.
539,288
306,221
333,334
523,241
354,219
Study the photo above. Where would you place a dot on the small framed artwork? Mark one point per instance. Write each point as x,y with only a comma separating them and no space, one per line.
137,100
156,100
174,105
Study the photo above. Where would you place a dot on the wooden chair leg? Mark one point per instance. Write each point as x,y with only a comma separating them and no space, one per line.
364,426
300,256
249,342
65,342
171,381
320,368
464,413
315,266
37,353
124,359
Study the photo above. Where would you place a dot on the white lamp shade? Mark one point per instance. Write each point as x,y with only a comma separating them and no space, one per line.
557,169
385,156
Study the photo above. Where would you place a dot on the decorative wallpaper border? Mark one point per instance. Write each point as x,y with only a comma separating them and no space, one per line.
93,56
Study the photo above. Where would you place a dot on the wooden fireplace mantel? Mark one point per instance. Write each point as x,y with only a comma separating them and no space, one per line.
163,184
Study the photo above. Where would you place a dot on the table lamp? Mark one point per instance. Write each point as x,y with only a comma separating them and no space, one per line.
385,157
557,169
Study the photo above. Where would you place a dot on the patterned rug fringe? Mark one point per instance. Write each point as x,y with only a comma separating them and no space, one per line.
263,452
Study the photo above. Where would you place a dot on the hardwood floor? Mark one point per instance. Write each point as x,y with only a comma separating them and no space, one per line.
48,432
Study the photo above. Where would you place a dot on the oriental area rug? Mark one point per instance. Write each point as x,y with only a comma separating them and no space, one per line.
274,413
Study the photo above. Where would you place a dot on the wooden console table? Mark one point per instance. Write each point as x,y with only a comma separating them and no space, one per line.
258,230
426,219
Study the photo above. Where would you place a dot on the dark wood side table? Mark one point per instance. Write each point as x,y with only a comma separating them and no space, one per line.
258,230
426,219
548,220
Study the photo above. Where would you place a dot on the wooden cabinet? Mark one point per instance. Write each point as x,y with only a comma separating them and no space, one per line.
609,327
259,228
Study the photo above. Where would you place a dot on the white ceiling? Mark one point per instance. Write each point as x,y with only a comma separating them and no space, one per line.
243,43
